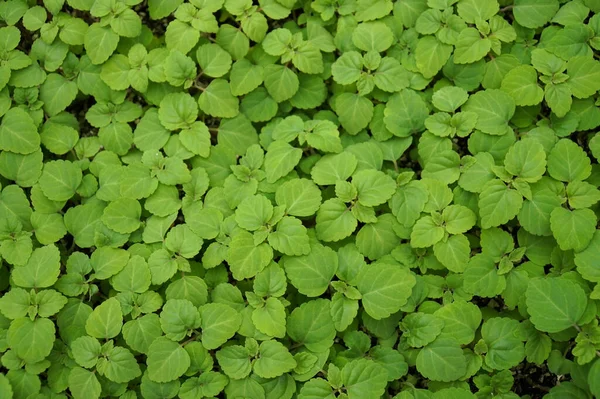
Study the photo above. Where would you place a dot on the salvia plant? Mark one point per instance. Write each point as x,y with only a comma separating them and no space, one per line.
311,199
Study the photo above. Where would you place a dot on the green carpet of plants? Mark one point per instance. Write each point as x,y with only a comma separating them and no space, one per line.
311,199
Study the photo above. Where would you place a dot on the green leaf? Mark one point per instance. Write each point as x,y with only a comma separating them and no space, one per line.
244,77
364,378
538,347
554,304
57,93
25,170
408,202
115,72
343,311
453,253
83,384
41,270
405,113
178,317
18,132
49,228
300,197
333,167
471,47
237,134
15,303
259,106
219,323
106,320
534,216
372,36
119,365
107,262
127,24
496,69
334,221
192,288
534,13
521,84
571,41
245,258
162,8
277,41
571,14
167,360
472,11
140,333
311,93
323,135
122,215
32,340
216,100
177,111
100,42
442,360
443,166
582,194
316,388
234,360
214,61
312,273
17,250
11,38
449,98
374,187
281,82
481,277
498,204
420,329
311,325
384,289
290,237
273,360
179,69
503,338
253,212
461,321
425,233
377,238
281,159
458,219
573,229
270,319
307,58
86,351
431,55
585,260
347,68
568,162
60,180
183,241
584,74
391,76
354,112
494,108
135,277
58,138
208,384
526,159
149,133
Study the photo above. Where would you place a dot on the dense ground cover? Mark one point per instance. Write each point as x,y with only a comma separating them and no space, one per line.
320,199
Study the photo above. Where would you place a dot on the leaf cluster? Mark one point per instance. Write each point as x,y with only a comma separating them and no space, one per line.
312,199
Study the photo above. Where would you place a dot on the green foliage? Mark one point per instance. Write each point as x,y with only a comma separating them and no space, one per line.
313,199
